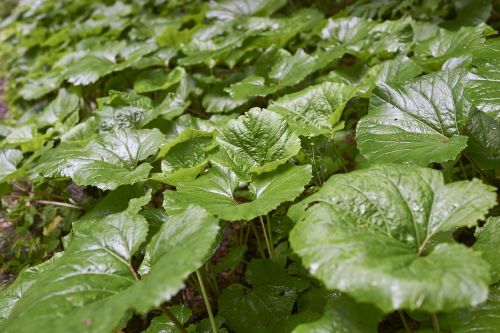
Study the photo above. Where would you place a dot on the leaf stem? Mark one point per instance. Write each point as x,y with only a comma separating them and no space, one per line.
171,316
207,303
257,239
435,322
424,244
57,203
268,244
405,322
269,231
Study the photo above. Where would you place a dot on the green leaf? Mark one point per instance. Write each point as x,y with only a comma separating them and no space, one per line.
92,286
344,315
107,162
63,105
163,324
367,233
124,110
482,318
419,122
215,191
278,68
314,110
185,157
9,159
484,140
483,89
231,9
258,142
446,44
364,38
158,79
268,303
487,240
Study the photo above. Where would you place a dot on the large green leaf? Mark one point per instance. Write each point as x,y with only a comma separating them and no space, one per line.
419,122
216,192
314,110
258,142
367,233
487,240
92,286
107,162
483,318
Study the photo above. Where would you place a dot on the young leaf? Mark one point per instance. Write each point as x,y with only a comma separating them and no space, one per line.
419,122
215,191
258,142
367,233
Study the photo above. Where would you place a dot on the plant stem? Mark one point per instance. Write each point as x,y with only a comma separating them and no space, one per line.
207,303
257,239
435,322
171,316
57,203
269,247
269,231
405,322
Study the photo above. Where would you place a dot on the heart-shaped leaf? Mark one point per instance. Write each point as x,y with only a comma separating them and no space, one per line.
367,233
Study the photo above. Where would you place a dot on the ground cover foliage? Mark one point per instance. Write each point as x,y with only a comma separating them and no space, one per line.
250,166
